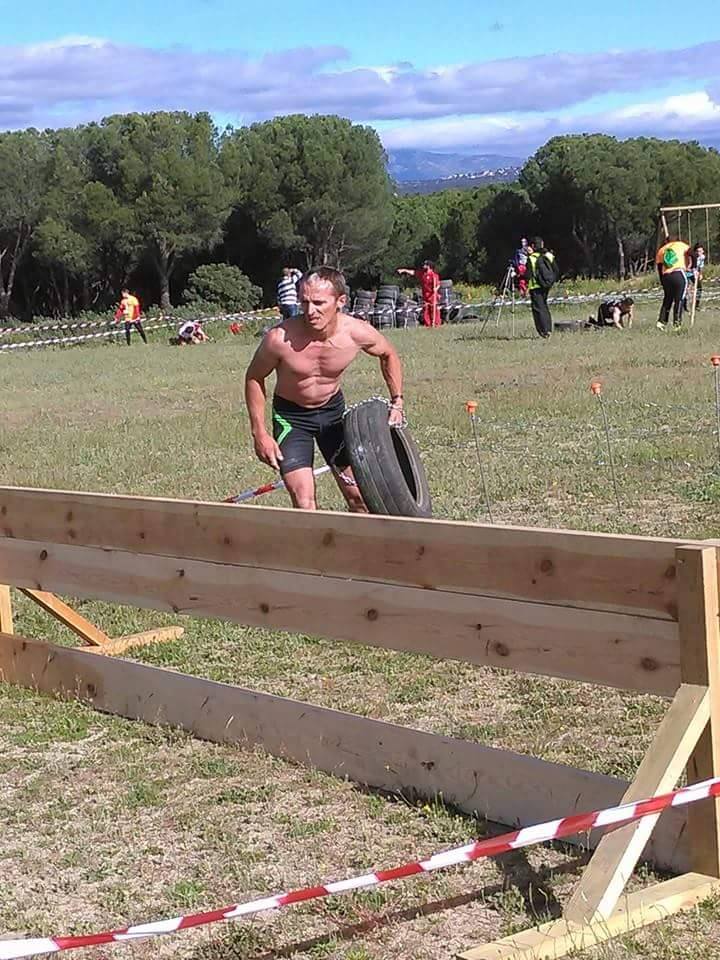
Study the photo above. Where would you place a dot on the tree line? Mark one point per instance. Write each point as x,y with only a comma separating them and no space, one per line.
157,200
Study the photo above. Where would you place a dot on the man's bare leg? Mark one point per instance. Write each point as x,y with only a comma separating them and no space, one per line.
301,487
350,490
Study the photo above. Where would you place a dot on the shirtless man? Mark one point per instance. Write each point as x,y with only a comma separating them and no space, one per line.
309,354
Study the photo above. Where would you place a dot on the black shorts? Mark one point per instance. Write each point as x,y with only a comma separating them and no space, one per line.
296,429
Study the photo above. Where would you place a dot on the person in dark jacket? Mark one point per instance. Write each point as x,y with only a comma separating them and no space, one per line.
538,290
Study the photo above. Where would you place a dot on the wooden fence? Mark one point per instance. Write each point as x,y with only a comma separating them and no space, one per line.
634,613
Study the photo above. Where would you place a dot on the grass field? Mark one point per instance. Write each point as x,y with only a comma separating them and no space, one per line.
108,822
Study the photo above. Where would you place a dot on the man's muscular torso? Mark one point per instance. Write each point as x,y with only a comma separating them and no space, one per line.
308,369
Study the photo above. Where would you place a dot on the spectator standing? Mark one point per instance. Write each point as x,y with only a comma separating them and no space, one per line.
287,292
542,273
430,287
672,260
698,265
129,312
519,262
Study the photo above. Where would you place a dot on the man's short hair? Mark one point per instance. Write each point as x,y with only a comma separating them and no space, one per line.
627,301
538,243
328,275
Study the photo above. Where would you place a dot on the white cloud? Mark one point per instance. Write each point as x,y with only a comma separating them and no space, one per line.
64,43
517,101
691,116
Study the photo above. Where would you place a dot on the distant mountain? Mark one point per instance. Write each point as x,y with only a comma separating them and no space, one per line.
415,165
460,181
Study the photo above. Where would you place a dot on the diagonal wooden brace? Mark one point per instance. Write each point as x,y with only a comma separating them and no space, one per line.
618,852
95,639
75,621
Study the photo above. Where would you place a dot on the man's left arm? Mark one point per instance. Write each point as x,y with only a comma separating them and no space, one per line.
375,344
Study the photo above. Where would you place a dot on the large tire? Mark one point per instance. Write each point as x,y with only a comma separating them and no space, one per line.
388,290
386,463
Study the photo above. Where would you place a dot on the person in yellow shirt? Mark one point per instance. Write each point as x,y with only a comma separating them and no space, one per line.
129,312
672,260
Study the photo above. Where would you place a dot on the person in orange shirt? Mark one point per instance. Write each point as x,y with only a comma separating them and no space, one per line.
129,312
672,260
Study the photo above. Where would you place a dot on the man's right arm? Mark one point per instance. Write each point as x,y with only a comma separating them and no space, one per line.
261,366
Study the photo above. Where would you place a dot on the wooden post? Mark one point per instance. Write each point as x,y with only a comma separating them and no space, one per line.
617,854
693,302
698,612
6,614
707,235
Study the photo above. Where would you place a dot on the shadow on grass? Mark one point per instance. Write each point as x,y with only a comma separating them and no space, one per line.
540,903
497,337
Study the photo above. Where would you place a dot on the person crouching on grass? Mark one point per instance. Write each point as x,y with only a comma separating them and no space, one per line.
192,332
616,313
309,354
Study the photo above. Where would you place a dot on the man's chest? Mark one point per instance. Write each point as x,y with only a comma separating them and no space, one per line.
319,359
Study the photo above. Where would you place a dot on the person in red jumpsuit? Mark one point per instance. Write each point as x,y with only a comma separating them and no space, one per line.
430,286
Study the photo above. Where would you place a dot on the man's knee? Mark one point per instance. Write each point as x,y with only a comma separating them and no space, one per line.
302,492
302,499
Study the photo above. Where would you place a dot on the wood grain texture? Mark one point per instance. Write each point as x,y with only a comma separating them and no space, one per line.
629,652
587,570
500,785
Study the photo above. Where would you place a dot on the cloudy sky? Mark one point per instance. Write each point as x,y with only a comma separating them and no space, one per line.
494,76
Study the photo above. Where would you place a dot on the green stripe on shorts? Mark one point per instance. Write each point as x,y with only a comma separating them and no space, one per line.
285,427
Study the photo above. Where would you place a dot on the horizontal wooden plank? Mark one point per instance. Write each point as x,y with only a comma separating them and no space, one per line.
500,785
111,648
597,571
633,653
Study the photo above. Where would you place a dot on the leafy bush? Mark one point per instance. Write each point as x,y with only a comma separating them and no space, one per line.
223,286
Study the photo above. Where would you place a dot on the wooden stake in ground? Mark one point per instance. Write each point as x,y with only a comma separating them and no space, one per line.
471,408
596,389
715,361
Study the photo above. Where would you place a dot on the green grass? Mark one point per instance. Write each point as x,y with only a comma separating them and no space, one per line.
109,822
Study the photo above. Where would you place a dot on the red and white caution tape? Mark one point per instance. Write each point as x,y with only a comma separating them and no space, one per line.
552,830
266,488
29,344
169,319
164,321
